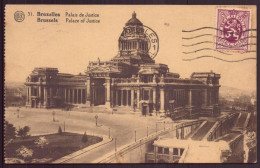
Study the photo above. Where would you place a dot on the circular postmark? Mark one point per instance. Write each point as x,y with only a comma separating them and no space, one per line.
19,16
153,41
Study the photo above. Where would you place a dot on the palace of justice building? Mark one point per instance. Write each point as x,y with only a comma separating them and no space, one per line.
131,78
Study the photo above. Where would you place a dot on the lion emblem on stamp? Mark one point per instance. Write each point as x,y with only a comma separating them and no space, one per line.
232,29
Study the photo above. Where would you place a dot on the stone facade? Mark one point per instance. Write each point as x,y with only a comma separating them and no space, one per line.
132,78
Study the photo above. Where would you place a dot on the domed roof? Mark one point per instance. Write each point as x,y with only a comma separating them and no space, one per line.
134,21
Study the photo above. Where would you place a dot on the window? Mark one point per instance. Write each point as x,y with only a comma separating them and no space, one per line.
160,150
166,150
175,151
150,79
146,94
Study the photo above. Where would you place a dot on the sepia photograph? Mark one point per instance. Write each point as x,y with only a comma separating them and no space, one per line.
130,84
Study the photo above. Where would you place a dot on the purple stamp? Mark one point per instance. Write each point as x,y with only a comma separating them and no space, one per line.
232,29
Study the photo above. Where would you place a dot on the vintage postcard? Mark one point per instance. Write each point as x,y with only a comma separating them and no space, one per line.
130,84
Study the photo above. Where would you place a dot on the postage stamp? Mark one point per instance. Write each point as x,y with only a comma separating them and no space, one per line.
89,84
232,29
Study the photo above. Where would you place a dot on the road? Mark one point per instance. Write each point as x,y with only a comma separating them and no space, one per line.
122,126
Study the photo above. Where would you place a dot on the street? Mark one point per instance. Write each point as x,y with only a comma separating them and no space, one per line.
122,126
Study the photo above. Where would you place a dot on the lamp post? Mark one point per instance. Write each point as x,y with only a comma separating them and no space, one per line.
156,128
96,117
53,114
18,111
115,145
135,135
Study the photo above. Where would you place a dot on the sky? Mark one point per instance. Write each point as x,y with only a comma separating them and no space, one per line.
70,46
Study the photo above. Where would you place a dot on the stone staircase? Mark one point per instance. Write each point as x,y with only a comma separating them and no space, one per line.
202,132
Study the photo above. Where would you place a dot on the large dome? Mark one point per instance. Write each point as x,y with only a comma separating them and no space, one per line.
134,21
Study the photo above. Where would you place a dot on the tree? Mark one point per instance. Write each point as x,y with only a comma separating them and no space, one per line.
84,138
9,131
23,132
41,142
24,152
59,130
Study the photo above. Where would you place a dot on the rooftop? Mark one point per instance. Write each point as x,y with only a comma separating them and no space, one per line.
134,21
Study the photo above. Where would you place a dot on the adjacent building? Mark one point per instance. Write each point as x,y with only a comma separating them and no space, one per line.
132,78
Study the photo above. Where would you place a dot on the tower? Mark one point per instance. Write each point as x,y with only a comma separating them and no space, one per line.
133,44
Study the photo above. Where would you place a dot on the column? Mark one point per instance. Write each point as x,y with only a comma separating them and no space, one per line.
205,102
154,99
122,98
69,96
182,132
126,97
45,96
51,93
155,154
132,98
40,94
108,93
77,97
117,97
88,96
217,95
40,97
73,96
209,97
81,96
171,155
27,94
138,98
93,99
162,99
190,97
65,95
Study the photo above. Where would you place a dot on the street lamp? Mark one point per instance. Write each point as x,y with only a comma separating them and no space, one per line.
135,135
18,111
53,114
115,145
96,117
156,128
